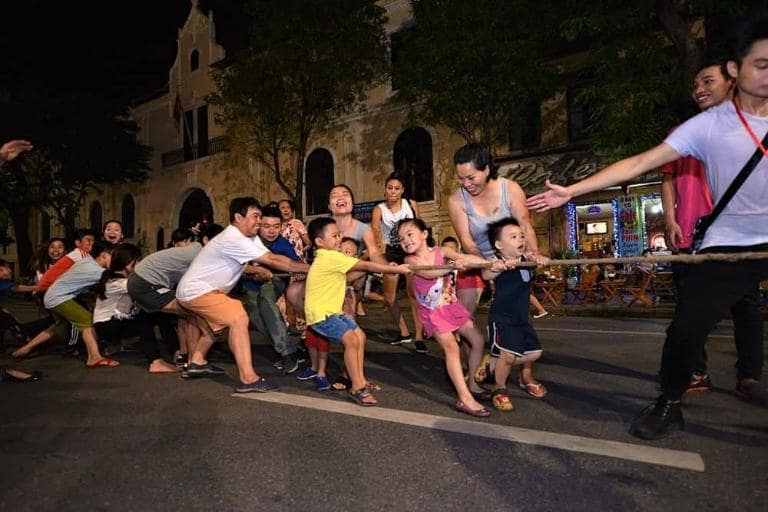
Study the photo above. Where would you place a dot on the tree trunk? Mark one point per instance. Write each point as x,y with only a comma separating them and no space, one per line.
68,221
301,152
20,215
679,31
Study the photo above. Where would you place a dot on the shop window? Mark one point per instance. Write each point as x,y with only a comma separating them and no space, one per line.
526,132
412,157
319,180
128,215
96,216
194,60
45,227
160,240
578,115
399,42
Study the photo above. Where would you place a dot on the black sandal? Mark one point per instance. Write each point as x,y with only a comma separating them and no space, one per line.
341,383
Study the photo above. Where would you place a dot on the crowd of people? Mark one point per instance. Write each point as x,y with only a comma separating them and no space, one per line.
186,290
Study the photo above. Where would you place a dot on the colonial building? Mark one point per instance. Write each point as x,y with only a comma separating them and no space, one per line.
194,175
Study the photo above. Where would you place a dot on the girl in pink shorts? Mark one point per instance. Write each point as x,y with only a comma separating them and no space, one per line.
441,312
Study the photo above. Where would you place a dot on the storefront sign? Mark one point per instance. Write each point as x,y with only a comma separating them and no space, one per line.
630,216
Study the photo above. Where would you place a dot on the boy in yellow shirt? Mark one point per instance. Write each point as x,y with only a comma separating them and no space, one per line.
324,300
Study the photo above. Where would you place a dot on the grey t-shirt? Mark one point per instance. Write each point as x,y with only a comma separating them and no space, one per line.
81,275
167,266
719,139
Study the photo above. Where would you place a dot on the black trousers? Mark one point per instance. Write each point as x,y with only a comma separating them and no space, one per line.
744,313
142,326
710,291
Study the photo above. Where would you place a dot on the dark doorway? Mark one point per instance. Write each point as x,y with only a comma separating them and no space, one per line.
196,209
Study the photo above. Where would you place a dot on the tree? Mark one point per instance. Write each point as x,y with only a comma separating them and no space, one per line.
82,140
640,59
307,64
475,66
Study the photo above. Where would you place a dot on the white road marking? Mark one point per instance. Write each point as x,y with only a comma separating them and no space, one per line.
633,452
632,333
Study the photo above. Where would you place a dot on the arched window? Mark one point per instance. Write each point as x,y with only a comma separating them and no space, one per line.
96,217
194,60
412,156
319,180
197,209
160,240
45,227
129,212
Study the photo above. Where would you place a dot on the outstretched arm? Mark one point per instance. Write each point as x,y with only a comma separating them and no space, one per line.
280,262
620,172
14,148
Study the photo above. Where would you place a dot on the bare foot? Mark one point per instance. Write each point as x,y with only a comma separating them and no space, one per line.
161,366
21,352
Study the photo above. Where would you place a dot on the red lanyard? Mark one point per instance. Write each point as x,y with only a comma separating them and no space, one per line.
749,128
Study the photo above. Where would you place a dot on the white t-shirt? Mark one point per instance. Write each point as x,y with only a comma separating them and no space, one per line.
219,265
118,304
717,138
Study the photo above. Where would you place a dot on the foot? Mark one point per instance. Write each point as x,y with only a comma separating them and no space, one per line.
21,352
9,375
290,364
483,372
341,383
182,362
752,391
475,410
541,315
399,340
204,370
321,383
103,362
363,397
161,366
307,374
420,347
261,385
533,387
700,383
658,420
501,401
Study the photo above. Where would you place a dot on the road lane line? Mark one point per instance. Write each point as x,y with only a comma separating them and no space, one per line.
632,333
633,452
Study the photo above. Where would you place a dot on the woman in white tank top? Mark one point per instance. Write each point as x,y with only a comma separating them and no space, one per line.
384,221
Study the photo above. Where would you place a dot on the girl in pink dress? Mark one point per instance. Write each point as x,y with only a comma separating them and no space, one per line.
441,312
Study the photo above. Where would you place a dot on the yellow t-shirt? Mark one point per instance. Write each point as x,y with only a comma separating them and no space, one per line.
326,285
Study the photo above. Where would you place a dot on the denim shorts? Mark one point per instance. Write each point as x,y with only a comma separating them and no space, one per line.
334,327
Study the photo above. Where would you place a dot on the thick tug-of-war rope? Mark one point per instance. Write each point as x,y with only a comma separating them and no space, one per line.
672,258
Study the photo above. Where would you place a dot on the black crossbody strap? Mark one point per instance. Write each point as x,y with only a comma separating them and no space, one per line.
736,184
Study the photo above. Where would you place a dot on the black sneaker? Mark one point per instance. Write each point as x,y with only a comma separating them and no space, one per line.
289,364
182,362
658,420
203,370
420,347
400,340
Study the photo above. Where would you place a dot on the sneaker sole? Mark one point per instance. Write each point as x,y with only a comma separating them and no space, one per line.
306,378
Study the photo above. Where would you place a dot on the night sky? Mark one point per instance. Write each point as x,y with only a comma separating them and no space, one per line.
121,49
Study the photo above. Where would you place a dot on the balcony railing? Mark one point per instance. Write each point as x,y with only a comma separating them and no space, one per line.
193,152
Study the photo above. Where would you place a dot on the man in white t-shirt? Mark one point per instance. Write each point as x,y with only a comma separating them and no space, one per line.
724,138
214,272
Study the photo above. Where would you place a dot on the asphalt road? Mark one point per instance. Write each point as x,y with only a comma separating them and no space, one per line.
122,439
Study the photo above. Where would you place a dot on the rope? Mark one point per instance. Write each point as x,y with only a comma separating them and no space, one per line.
672,258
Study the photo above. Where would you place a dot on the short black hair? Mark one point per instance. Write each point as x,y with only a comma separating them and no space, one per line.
181,234
100,247
112,221
316,228
83,232
494,228
480,157
272,212
241,205
210,230
350,239
721,64
753,32
342,185
449,239
4,263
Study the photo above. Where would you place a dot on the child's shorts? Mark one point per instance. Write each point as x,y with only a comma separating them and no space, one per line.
334,327
150,297
518,340
314,340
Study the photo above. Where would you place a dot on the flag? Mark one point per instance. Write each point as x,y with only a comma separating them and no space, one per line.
177,112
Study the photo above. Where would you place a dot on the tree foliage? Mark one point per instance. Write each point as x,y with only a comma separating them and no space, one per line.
475,66
82,140
640,59
307,63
